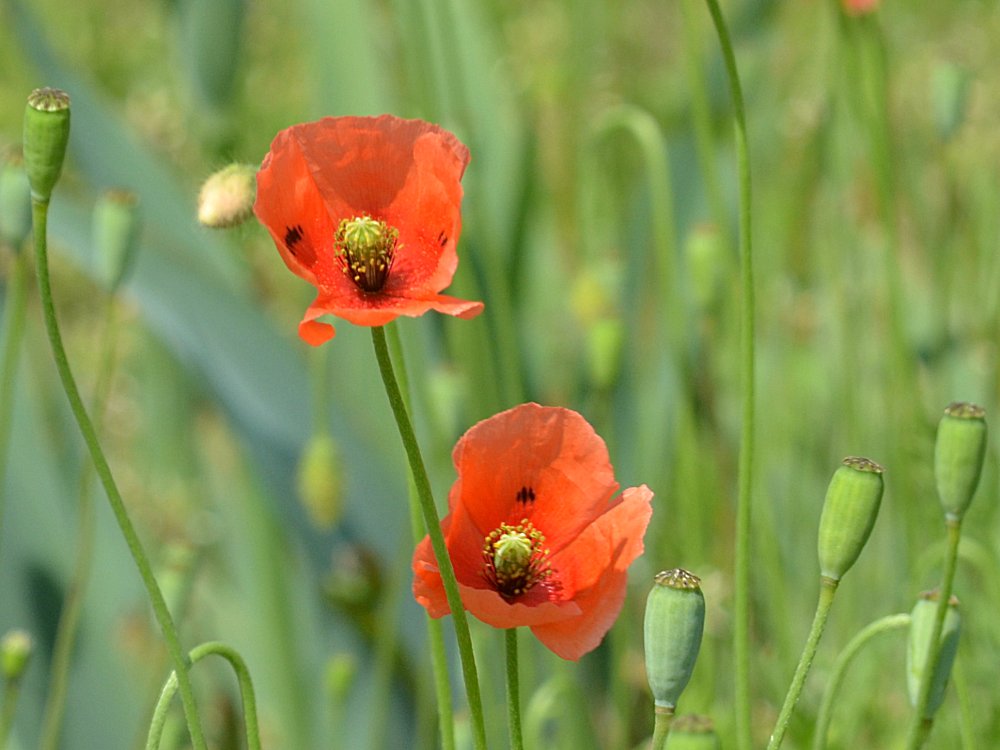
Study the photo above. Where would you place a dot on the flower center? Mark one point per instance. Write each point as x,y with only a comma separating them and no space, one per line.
366,248
515,558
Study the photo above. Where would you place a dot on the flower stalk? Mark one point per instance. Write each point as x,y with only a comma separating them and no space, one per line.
430,515
513,690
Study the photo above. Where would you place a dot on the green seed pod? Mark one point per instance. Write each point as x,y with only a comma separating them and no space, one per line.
605,342
320,480
709,264
15,652
958,456
46,133
15,200
849,511
211,37
116,232
675,620
341,676
919,642
693,732
226,198
949,98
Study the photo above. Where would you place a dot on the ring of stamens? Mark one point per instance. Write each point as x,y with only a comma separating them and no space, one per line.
366,248
515,558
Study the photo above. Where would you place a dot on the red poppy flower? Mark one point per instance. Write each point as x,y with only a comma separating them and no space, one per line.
534,531
859,7
367,210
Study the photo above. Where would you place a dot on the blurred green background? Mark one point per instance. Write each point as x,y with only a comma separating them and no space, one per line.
599,228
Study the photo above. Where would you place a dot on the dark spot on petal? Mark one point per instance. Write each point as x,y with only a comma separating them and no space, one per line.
442,239
526,495
293,236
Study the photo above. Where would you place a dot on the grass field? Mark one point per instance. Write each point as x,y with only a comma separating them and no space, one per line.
600,226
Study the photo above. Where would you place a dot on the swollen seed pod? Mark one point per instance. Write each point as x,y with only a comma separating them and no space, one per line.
46,133
849,511
675,620
320,481
693,732
116,232
15,652
958,456
15,200
919,641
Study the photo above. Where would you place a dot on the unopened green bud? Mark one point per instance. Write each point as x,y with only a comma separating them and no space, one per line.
226,198
849,511
605,343
341,674
15,200
116,232
693,732
320,479
921,625
46,133
15,652
958,456
675,620
708,263
949,96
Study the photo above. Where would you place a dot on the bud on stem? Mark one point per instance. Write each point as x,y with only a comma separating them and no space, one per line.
958,456
675,620
919,643
852,503
46,133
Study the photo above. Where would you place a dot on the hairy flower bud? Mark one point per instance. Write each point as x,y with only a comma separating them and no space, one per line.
46,133
675,620
918,643
15,652
849,511
227,196
958,456
320,480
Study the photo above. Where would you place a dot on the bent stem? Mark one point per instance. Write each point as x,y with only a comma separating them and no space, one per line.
433,524
69,619
513,691
920,726
13,330
741,584
39,211
247,695
828,587
859,641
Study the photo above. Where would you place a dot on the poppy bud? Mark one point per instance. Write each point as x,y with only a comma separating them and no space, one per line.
958,456
605,342
918,643
693,732
15,651
46,133
675,619
341,675
226,198
852,502
15,200
320,481
949,96
115,235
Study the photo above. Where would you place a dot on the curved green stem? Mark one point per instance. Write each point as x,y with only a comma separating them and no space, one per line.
920,725
160,610
13,331
663,720
433,524
69,618
828,587
741,584
247,695
859,641
513,691
8,706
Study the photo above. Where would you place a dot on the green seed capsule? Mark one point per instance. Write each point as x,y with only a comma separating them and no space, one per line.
919,642
46,133
320,480
958,456
675,620
852,502
693,732
116,233
15,652
949,97
15,201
